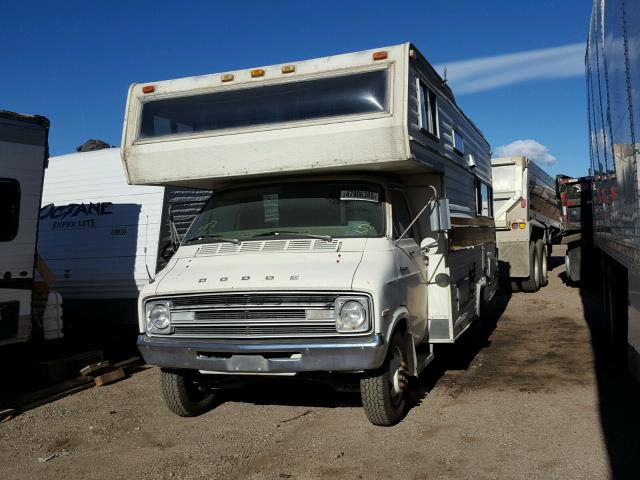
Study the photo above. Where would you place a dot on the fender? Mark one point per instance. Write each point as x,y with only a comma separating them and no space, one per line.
399,314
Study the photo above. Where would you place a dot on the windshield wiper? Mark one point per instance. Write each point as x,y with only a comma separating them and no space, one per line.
278,233
214,237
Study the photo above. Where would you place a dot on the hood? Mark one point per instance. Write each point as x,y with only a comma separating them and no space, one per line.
260,271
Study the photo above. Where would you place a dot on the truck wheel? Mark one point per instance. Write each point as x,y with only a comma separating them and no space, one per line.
183,396
384,391
532,284
573,259
541,249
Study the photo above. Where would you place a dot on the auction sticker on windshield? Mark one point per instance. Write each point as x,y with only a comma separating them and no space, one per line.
363,195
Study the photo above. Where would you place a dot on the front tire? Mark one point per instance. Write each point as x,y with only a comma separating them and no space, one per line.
384,391
183,396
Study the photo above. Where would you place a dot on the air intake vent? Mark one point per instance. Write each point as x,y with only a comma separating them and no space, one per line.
294,245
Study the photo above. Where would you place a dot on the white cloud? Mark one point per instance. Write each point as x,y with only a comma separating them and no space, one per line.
526,148
488,73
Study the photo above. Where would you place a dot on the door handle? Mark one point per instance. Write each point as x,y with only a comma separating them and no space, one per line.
404,270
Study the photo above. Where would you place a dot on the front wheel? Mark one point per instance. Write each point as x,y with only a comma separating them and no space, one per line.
184,396
384,391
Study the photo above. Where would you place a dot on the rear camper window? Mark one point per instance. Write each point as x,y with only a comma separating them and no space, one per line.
9,209
359,93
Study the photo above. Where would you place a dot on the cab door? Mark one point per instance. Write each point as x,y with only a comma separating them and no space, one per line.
410,265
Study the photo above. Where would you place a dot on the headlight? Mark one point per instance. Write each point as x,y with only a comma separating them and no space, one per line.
158,317
351,315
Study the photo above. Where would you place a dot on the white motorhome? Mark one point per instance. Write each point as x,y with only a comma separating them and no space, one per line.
103,239
24,303
348,231
527,214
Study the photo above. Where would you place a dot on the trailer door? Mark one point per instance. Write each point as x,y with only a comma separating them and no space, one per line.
23,154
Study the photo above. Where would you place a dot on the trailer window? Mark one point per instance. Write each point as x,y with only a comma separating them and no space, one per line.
9,209
359,93
428,120
484,200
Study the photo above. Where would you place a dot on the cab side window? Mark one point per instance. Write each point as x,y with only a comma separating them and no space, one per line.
401,215
9,209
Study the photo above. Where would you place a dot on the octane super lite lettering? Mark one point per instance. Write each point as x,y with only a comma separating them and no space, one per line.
74,209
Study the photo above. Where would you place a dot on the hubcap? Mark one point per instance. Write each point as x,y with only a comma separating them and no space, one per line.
398,374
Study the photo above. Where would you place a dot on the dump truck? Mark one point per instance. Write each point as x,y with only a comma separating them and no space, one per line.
527,217
348,233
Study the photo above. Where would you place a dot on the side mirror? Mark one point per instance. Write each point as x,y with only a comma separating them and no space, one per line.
440,216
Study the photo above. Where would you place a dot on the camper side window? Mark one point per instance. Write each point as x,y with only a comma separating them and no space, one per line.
484,200
458,142
428,120
9,209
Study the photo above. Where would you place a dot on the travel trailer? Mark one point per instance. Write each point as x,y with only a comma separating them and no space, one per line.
612,60
28,309
349,230
103,239
527,215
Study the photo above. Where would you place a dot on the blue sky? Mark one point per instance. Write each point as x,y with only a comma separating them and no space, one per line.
73,61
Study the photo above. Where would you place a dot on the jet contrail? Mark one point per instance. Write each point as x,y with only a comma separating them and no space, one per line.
487,73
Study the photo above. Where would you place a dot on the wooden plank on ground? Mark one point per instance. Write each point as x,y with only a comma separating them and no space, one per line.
110,377
96,369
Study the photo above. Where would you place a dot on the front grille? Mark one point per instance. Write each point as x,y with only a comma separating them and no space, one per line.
255,315
254,331
224,315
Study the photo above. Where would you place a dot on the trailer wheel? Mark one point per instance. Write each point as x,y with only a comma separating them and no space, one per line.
572,261
183,396
532,284
384,391
543,258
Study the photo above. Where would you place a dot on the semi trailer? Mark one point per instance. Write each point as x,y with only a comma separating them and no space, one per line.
612,64
349,230
527,218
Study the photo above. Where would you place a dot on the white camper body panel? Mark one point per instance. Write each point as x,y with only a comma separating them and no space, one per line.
98,234
373,141
23,157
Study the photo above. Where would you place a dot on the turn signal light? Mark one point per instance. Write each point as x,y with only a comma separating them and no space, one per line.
521,225
148,89
381,55
258,72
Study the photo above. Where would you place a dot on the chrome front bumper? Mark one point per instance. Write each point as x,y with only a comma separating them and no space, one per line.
265,356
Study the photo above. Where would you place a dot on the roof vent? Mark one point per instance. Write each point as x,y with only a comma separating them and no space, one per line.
91,145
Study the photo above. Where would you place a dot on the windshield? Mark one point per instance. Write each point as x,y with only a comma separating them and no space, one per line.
290,210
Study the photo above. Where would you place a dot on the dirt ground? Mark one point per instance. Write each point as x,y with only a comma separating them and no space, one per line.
537,400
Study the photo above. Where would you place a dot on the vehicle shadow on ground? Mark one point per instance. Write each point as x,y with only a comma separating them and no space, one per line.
314,392
619,393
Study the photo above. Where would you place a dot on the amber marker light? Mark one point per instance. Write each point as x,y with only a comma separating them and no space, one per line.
148,89
381,55
522,225
288,69
258,72
227,77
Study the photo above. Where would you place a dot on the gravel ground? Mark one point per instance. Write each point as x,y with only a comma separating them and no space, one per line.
536,401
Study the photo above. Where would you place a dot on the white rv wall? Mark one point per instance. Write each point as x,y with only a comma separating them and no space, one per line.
100,250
